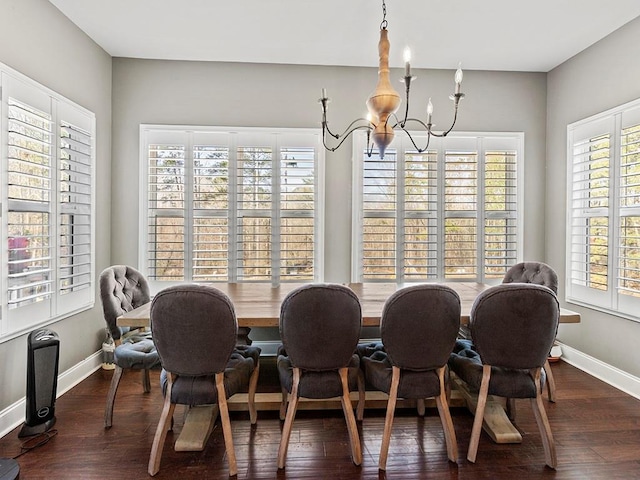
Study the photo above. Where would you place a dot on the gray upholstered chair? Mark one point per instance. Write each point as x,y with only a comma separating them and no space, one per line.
513,328
319,327
541,274
418,329
194,328
123,288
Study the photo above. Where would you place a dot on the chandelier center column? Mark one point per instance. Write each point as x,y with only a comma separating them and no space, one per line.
384,101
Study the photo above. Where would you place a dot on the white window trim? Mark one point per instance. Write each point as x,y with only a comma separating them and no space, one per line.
359,144
319,215
608,301
59,306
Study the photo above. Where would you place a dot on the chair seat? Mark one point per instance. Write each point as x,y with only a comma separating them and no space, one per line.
465,361
141,354
201,390
317,384
413,384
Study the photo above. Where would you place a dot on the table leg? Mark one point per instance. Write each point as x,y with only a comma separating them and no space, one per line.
198,425
496,422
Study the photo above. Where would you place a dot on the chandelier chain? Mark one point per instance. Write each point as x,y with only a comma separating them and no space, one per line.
384,23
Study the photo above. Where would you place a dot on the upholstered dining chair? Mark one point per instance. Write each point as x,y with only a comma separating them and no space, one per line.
513,327
123,288
194,328
540,274
319,327
418,329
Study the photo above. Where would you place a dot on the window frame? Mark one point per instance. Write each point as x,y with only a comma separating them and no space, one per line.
65,260
257,137
609,123
482,143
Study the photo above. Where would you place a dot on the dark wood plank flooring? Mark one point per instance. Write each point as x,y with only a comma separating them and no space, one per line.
596,428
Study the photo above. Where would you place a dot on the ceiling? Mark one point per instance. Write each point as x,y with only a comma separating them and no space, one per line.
515,35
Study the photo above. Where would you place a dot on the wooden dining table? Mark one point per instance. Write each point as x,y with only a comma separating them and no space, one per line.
258,305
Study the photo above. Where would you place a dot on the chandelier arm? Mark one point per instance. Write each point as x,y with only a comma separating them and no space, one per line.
345,135
347,131
455,118
429,134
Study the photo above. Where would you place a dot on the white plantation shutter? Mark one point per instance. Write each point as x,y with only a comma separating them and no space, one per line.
231,206
254,214
500,208
75,208
379,207
297,212
30,195
460,215
420,222
449,213
166,210
603,254
629,253
211,213
48,189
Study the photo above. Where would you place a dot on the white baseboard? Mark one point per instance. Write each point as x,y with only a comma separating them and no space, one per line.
603,371
14,414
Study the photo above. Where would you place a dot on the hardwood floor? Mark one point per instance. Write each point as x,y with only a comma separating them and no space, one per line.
596,429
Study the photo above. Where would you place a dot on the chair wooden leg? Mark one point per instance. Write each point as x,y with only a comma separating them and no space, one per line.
166,417
388,419
146,381
479,415
283,404
551,383
447,383
420,406
543,425
253,386
361,396
511,409
111,396
445,417
288,422
226,424
354,437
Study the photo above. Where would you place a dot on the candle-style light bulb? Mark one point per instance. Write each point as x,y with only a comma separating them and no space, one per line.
369,117
324,93
429,111
458,77
407,60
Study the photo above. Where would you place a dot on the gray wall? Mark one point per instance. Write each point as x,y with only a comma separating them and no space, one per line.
252,95
603,76
200,93
41,43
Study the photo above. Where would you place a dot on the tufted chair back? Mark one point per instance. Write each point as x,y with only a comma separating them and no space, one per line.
431,313
122,288
194,329
320,326
532,272
514,325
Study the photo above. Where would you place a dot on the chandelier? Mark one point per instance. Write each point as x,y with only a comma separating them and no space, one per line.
384,102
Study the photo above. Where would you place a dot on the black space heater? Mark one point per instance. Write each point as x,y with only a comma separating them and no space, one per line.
42,381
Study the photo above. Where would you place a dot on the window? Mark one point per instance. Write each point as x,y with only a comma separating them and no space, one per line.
231,206
449,213
603,252
47,155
